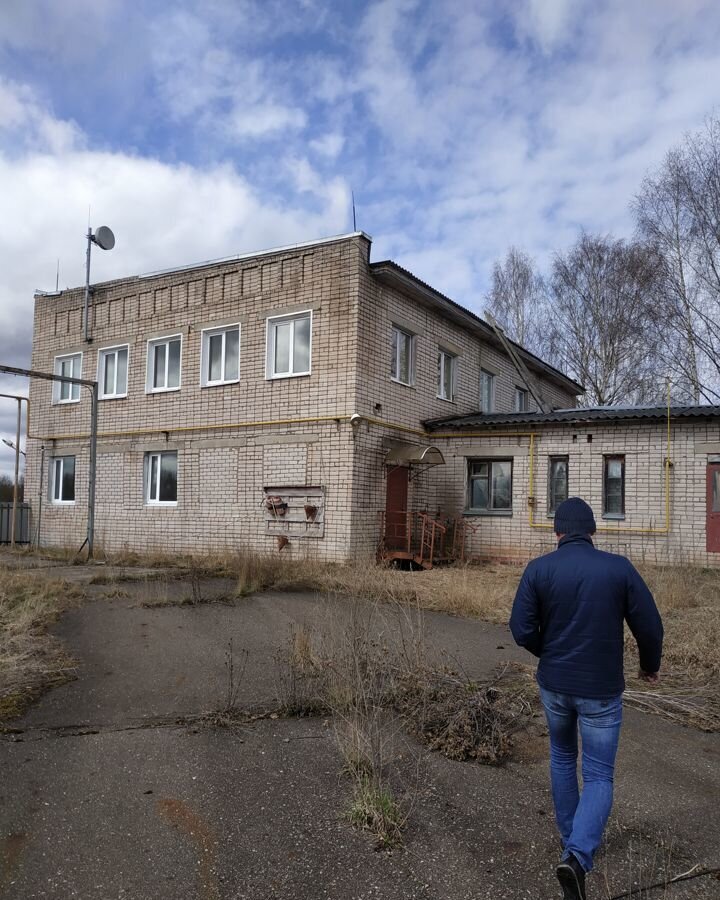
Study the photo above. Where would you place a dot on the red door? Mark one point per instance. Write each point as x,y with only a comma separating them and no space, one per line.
712,513
396,514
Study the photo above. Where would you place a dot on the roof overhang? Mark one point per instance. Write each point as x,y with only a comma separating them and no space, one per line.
400,453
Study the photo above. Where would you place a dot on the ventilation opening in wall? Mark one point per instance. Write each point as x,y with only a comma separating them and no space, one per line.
295,511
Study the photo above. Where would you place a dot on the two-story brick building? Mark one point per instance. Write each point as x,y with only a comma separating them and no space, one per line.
311,400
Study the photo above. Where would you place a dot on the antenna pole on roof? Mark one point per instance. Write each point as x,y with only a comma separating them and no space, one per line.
105,239
352,194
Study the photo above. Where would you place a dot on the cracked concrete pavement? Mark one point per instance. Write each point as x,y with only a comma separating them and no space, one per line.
105,795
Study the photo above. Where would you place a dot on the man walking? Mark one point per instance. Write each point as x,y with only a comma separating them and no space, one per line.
569,611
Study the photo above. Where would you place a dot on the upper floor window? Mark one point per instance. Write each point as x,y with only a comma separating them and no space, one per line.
614,486
62,479
447,366
557,482
487,391
113,372
402,364
69,366
521,400
288,345
161,478
163,364
221,355
490,486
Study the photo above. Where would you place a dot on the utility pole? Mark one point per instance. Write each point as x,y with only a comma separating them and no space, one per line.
17,461
93,388
17,472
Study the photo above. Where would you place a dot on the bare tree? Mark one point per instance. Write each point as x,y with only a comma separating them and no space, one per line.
678,210
602,326
518,300
664,221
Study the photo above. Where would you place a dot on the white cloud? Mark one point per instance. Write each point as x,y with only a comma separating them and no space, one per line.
28,125
329,145
548,21
235,95
162,215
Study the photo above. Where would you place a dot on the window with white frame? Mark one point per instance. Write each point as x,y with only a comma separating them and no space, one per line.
521,400
163,364
487,391
161,478
62,479
447,374
289,345
69,366
220,355
113,372
402,362
490,486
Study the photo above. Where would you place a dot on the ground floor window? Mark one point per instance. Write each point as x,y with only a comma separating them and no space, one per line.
490,486
614,486
62,479
161,478
557,482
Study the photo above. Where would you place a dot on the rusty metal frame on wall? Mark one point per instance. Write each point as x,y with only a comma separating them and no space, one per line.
294,511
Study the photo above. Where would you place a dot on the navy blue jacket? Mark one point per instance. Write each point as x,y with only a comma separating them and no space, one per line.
569,610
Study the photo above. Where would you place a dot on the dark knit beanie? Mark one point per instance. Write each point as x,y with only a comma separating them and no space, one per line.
574,516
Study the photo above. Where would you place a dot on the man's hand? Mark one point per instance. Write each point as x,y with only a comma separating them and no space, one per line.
650,677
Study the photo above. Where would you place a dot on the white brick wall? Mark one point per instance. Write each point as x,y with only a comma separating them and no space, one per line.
226,455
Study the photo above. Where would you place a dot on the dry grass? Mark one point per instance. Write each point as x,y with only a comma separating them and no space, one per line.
688,598
30,659
370,671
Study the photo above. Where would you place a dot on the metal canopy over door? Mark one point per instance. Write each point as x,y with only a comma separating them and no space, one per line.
396,509
712,514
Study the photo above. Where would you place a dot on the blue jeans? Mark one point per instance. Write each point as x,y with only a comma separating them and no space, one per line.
581,818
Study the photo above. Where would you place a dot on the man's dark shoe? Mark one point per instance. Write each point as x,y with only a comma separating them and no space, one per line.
571,876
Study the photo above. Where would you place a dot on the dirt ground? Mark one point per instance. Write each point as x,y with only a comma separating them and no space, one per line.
115,785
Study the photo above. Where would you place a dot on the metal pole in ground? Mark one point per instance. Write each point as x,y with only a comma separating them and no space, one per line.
40,496
17,472
93,462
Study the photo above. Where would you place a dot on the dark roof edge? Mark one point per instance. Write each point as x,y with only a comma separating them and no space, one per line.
433,294
576,416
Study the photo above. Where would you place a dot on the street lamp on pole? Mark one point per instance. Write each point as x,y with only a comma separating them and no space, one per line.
12,445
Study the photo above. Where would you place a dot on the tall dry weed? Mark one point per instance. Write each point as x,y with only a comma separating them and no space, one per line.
30,659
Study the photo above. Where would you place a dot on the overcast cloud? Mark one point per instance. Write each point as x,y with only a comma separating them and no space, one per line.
202,129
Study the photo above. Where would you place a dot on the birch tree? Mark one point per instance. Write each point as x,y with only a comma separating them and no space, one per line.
518,300
602,325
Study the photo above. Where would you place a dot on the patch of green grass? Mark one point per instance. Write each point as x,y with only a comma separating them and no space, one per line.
375,809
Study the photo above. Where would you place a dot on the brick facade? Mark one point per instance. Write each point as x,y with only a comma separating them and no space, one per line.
239,443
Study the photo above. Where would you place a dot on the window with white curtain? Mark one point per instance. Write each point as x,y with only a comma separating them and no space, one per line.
163,364
220,355
113,372
69,366
289,340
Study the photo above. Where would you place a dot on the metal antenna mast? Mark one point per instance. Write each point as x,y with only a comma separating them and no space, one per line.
105,239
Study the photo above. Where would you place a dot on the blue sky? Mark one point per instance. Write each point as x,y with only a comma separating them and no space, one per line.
203,128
